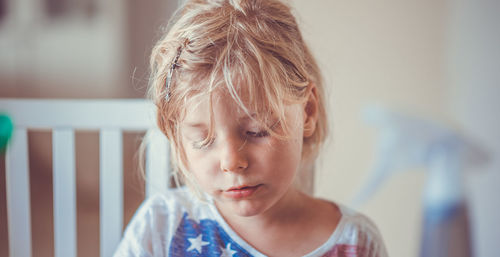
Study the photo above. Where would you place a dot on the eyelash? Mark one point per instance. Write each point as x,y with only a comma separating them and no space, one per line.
203,145
262,133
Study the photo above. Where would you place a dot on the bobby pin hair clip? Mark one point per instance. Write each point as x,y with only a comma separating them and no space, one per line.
170,72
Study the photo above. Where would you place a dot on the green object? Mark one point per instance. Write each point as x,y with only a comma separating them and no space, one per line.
6,128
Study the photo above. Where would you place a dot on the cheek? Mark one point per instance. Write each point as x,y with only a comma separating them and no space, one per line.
283,156
201,166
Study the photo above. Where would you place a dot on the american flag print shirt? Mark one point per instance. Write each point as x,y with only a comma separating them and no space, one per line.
177,224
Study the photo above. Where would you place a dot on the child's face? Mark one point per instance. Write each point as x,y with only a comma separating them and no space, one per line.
243,168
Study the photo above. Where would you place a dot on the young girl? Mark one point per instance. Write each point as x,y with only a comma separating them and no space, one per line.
240,98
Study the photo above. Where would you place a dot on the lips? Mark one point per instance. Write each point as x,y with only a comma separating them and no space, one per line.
241,192
240,187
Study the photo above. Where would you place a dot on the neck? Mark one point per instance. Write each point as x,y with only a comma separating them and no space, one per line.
305,177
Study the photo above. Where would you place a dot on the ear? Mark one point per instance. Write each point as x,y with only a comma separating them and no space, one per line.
310,111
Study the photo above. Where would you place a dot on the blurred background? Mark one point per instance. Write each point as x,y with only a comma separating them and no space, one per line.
437,59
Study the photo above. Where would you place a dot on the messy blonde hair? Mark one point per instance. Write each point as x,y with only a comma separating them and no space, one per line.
249,49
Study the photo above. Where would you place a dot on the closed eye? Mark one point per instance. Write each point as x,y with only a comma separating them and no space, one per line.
202,144
263,133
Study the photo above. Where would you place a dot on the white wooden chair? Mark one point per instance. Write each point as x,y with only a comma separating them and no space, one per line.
63,117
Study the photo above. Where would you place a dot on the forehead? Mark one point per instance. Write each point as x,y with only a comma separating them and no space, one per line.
202,107
223,110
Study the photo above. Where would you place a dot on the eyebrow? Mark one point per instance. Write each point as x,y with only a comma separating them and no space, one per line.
246,117
194,125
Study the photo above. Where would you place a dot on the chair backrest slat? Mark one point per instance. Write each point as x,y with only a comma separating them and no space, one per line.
111,190
157,164
18,195
64,183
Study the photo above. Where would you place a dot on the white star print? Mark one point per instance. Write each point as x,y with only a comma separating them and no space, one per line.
228,252
196,244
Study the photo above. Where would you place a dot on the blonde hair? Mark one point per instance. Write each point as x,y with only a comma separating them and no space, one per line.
246,48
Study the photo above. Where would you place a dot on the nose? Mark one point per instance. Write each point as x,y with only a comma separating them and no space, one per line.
233,156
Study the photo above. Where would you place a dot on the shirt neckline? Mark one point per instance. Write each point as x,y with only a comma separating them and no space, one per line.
322,249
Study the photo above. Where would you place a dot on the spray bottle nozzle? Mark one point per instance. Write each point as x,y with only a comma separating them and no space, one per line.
407,142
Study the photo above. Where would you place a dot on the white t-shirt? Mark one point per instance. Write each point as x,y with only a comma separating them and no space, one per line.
178,224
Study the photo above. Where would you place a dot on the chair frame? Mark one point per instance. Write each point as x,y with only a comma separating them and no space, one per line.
108,116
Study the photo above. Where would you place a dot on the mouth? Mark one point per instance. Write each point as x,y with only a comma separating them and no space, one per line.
240,192
240,187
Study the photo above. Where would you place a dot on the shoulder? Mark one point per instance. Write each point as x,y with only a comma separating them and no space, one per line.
154,220
358,231
166,206
161,204
171,198
357,222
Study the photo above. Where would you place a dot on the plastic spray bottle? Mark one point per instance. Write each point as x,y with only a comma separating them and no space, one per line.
407,142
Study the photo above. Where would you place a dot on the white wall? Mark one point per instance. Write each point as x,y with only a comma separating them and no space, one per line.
474,73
